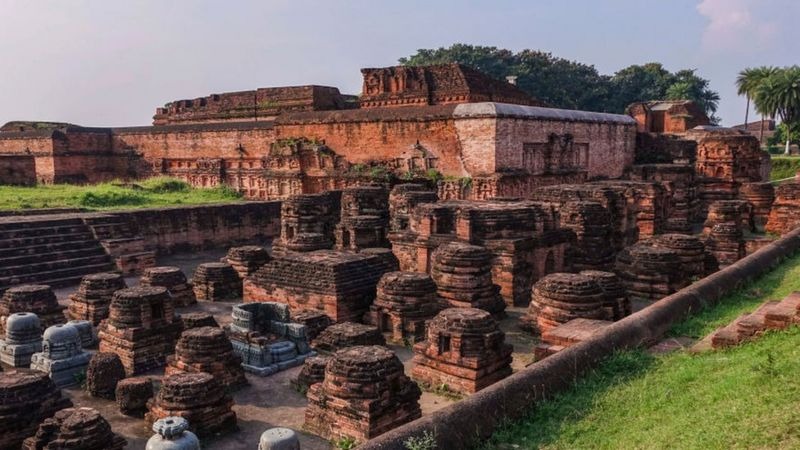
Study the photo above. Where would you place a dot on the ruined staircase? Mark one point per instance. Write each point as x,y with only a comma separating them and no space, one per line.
52,250
127,249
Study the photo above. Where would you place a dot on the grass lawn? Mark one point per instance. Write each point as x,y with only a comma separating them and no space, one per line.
784,167
744,397
158,191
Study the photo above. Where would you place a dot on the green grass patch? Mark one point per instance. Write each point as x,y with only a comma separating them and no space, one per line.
784,167
154,192
744,397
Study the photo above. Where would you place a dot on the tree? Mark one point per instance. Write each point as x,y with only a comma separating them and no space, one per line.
747,84
573,85
778,95
555,81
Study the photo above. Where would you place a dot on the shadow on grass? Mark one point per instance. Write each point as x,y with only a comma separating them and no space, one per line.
775,285
544,423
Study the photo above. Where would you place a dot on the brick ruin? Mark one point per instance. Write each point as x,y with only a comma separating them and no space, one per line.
32,298
132,395
27,398
404,301
271,143
364,218
104,372
75,428
364,393
462,273
464,350
520,236
247,259
197,397
93,297
207,349
561,297
416,213
141,328
174,280
783,216
216,282
340,284
307,223
347,334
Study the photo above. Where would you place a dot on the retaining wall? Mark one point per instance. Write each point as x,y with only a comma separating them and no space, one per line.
168,230
463,424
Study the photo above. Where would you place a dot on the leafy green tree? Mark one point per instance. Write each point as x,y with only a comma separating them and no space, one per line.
569,84
556,81
778,95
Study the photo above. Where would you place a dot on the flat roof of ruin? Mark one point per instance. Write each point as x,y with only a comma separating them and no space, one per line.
455,111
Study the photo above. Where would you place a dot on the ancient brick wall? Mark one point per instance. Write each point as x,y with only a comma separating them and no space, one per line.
25,143
17,170
603,150
196,141
405,138
205,226
250,105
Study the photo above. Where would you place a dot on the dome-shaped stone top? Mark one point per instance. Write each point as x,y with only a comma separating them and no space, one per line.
102,277
203,333
678,241
248,252
642,253
459,254
13,382
568,287
22,321
464,321
162,269
139,293
214,266
170,427
180,380
27,289
364,363
61,333
406,283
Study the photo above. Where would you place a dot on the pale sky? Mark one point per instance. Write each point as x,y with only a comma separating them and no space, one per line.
112,62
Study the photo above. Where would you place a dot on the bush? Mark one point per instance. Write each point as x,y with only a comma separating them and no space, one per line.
107,199
784,167
162,185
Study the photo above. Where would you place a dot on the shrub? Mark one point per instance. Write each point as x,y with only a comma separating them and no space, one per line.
107,199
165,184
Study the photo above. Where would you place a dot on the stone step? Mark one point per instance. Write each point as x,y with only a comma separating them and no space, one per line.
25,223
49,247
43,231
34,269
89,248
48,239
56,278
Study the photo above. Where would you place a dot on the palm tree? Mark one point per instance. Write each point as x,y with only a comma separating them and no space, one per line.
779,95
747,84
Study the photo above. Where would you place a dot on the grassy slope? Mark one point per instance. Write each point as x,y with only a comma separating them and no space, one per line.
745,397
160,191
784,167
